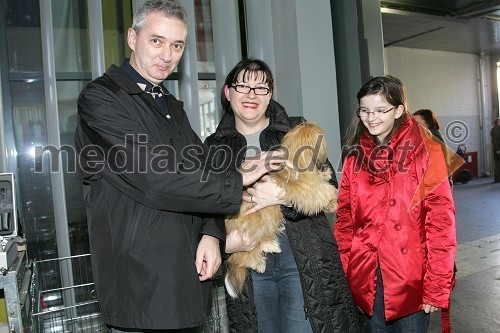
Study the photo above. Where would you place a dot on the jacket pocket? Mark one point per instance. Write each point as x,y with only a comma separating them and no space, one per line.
138,236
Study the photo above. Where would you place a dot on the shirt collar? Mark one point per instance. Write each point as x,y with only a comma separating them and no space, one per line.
141,81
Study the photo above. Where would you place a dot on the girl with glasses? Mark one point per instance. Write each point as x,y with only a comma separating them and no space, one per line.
396,218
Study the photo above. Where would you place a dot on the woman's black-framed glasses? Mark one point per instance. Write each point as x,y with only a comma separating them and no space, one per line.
243,89
364,113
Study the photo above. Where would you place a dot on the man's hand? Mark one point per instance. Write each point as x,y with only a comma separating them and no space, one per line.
255,167
208,257
264,193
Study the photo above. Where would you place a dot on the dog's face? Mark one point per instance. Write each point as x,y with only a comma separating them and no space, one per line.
305,146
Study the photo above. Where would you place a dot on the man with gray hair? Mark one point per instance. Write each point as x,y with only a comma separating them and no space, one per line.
145,187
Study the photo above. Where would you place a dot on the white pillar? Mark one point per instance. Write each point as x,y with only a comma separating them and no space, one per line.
318,73
188,73
96,38
56,178
8,152
227,41
485,99
295,38
3,149
52,119
260,23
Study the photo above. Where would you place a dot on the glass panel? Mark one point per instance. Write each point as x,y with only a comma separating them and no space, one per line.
204,37
172,87
117,18
77,218
72,52
71,44
30,130
71,36
205,50
209,115
23,36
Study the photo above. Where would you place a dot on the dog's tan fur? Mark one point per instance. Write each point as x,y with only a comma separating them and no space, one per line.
307,189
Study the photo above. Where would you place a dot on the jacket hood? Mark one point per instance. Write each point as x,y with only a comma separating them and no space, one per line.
278,120
384,161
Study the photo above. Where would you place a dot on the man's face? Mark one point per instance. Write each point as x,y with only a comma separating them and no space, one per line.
157,47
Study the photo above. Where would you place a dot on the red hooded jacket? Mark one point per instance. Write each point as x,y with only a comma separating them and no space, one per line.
396,211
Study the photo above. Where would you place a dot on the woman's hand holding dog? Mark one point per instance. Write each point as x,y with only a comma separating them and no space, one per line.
239,243
264,193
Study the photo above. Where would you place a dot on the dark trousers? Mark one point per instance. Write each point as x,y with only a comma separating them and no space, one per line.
497,171
415,323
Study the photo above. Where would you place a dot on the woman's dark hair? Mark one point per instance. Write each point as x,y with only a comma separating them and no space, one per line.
429,118
394,91
249,67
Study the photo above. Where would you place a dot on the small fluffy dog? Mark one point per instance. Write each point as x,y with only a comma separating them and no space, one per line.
308,190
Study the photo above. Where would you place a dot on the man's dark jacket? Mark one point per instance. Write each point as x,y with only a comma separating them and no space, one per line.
328,301
144,195
495,141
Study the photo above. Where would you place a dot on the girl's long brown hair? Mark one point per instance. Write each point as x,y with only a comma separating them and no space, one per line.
394,92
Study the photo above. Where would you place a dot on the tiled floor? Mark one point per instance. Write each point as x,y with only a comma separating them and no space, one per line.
475,302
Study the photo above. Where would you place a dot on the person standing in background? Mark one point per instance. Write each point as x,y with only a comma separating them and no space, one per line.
428,118
495,142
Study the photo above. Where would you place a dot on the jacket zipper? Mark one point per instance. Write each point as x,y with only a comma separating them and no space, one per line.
304,293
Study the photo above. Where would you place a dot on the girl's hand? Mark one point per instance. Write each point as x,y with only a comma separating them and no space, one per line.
429,308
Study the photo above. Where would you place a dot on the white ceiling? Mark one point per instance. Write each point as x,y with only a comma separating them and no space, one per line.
446,25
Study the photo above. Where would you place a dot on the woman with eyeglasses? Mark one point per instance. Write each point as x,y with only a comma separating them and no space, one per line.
303,288
396,218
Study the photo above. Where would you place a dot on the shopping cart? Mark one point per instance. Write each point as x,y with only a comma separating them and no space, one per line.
217,321
63,297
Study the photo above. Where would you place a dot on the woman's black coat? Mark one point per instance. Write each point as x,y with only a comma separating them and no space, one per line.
328,301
